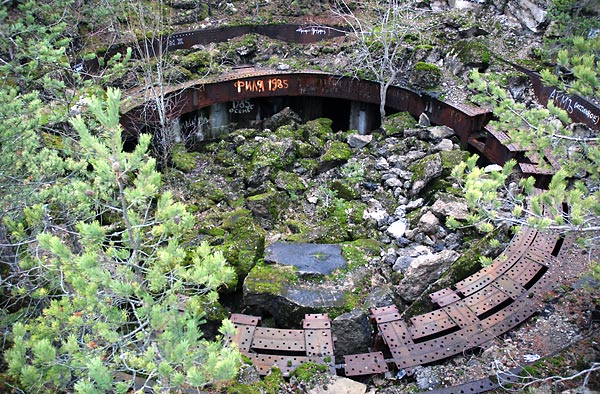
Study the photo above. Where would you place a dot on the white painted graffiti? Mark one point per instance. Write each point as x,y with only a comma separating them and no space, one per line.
175,41
587,113
241,107
311,30
561,100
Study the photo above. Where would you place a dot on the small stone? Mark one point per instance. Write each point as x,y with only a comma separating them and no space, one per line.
424,120
393,183
397,229
341,385
359,141
443,145
375,213
382,164
429,223
492,168
451,207
438,133
414,204
283,67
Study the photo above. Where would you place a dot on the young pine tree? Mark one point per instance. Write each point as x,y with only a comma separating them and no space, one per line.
123,296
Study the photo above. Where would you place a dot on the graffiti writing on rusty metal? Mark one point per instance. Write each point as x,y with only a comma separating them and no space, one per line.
311,30
241,107
261,85
562,100
175,41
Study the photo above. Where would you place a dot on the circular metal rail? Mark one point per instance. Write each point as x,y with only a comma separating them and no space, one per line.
472,312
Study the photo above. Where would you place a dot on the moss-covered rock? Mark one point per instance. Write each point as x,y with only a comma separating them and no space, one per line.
396,124
273,279
289,182
473,52
289,131
320,128
425,75
345,189
208,190
243,244
336,153
308,150
425,170
451,159
182,159
268,205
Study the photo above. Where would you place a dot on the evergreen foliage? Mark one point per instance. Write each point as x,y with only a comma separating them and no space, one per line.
548,136
101,283
121,293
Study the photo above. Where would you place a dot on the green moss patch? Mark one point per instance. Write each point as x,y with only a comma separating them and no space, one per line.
182,159
397,123
270,278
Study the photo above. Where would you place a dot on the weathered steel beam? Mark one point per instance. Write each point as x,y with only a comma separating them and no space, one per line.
578,108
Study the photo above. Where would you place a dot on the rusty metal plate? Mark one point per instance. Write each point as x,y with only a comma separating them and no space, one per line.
521,241
278,339
486,299
384,314
535,169
510,316
364,364
444,297
249,320
245,326
430,323
544,243
509,287
504,139
481,385
525,271
244,335
318,342
462,314
475,282
316,321
395,334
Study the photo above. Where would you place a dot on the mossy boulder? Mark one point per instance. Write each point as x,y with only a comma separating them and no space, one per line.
345,189
451,159
289,131
425,170
182,159
473,53
307,150
243,244
320,128
268,205
290,182
396,124
207,189
443,183
272,279
224,153
425,75
336,153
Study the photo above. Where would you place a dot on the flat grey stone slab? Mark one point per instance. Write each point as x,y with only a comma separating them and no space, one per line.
308,258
